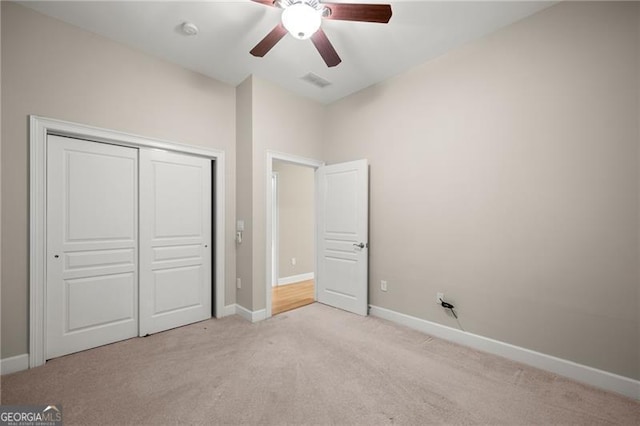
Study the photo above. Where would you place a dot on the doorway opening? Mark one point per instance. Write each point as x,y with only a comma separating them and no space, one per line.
291,231
293,227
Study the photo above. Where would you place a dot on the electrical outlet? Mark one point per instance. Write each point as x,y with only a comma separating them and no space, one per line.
238,283
293,261
439,298
383,285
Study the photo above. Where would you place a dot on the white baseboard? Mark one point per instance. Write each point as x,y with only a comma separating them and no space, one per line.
581,373
295,278
253,316
14,364
229,310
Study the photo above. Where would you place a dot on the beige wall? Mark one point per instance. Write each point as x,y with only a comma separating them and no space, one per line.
52,69
287,123
505,174
244,195
638,124
0,178
296,195
283,122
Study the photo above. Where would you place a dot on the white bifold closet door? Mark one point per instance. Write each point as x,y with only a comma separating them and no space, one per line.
175,240
92,236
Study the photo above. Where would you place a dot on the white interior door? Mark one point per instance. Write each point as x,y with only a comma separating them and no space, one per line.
175,240
343,223
91,286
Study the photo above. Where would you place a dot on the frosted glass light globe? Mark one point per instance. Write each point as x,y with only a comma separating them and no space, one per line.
301,20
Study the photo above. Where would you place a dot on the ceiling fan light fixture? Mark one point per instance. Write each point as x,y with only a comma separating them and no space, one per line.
301,20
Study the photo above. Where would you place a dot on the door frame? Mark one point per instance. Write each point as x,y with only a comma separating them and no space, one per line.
300,161
39,129
275,230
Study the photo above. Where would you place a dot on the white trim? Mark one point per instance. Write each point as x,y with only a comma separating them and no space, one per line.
275,230
40,127
14,364
295,278
581,373
252,316
229,310
293,159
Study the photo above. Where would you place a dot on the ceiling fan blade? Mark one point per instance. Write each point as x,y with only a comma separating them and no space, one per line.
324,46
266,2
269,41
379,13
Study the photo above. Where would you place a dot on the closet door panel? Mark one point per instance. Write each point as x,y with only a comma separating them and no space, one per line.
175,236
92,237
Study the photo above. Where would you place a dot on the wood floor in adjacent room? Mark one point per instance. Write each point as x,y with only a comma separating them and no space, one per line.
291,296
313,365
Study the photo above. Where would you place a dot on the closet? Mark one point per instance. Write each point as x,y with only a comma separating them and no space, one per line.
128,242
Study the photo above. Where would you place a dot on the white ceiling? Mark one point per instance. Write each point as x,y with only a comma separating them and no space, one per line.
418,31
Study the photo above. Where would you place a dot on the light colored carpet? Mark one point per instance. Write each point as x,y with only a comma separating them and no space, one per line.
312,365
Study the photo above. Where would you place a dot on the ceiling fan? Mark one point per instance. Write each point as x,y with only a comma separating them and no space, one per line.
302,19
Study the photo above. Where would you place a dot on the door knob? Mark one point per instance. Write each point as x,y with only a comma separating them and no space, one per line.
361,245
56,256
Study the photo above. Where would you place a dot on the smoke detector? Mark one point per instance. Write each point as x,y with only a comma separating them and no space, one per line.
189,29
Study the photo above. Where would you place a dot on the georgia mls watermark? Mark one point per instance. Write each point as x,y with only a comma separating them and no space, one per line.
30,415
